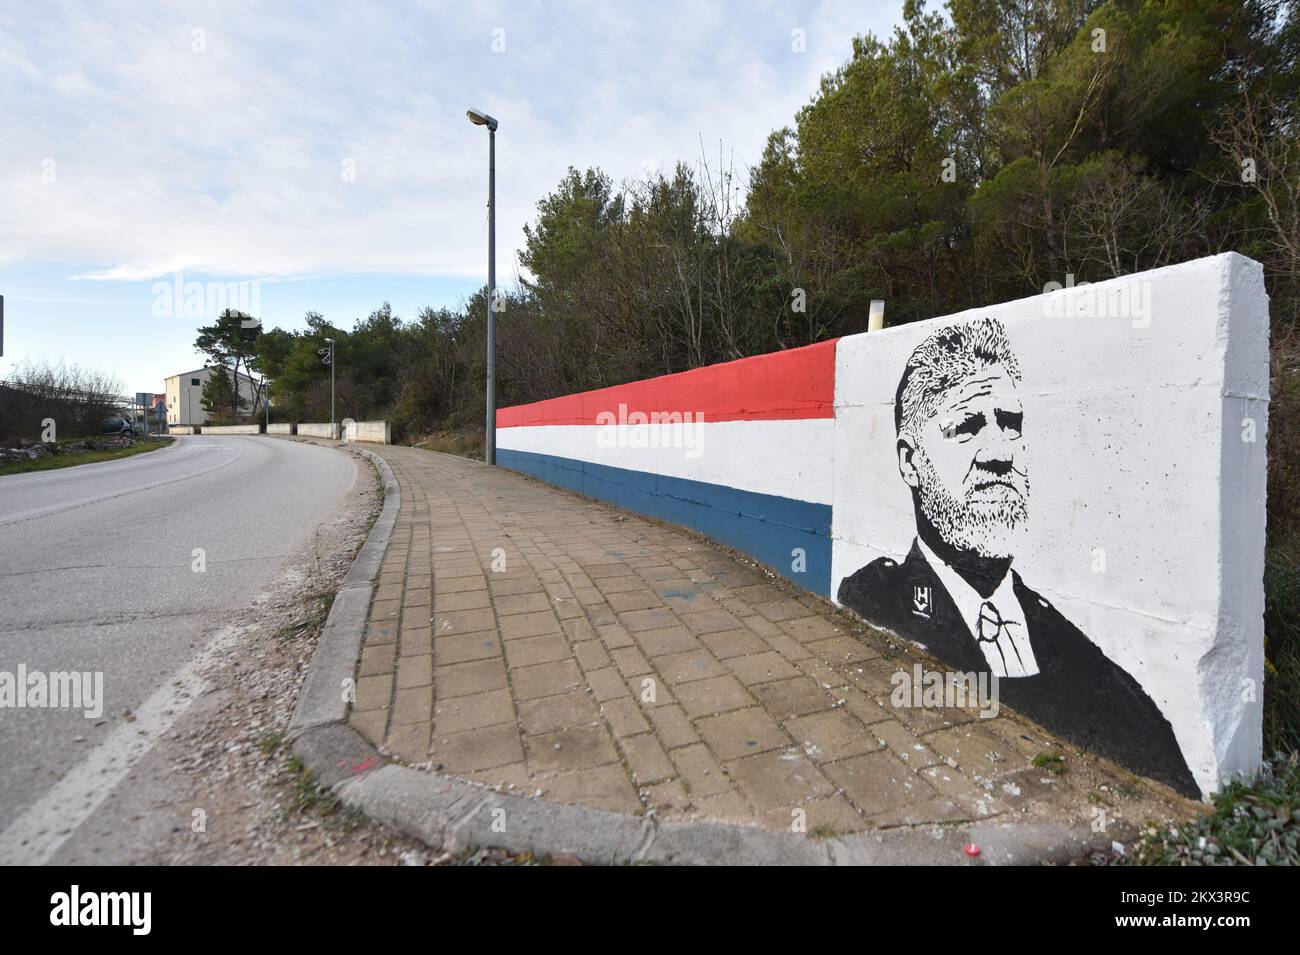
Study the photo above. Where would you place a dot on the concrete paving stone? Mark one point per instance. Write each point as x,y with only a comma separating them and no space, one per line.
668,799
678,668
454,622
716,695
668,640
605,787
478,749
729,807
416,643
511,778
929,812
604,570
385,609
546,679
602,614
529,625
380,631
456,585
504,586
633,600
414,705
822,818
631,661
878,782
821,673
761,668
831,734
552,713
794,697
578,747
614,636
657,572
709,621
415,671
620,585
741,733
904,744
521,603
471,712
568,608
976,750
646,759
782,609
465,600
649,690
625,717
388,591
957,788
477,676
374,692
778,779
410,741
468,646
578,630
656,618
591,654
587,596
733,643
841,650
606,684
808,629
529,650
672,726
381,658
371,724
702,773
417,598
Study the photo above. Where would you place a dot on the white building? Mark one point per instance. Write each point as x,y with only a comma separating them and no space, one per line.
185,396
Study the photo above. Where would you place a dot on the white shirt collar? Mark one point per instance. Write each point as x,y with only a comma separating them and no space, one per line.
1020,655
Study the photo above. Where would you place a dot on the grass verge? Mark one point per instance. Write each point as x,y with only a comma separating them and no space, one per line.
53,461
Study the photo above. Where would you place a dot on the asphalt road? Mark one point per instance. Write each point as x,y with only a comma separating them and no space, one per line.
131,568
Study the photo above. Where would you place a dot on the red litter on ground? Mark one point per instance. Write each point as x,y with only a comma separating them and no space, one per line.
971,850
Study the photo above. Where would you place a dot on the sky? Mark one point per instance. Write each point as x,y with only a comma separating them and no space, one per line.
317,157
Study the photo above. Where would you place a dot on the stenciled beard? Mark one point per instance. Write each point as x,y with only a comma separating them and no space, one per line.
987,528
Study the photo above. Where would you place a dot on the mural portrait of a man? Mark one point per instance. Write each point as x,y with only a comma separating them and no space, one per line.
961,444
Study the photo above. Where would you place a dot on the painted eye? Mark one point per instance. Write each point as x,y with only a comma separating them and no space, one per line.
969,426
1011,420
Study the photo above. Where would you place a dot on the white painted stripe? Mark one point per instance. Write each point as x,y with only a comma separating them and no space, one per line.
791,459
35,836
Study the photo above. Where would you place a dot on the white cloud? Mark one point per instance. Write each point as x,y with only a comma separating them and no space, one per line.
230,161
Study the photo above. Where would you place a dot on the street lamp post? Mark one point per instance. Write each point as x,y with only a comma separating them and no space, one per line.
330,360
479,118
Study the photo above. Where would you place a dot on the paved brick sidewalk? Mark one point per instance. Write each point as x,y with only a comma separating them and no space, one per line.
528,638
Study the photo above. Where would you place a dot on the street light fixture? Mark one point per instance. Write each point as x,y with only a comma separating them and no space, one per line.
480,118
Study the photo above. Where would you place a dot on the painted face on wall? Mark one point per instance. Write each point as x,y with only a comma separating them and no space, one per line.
968,465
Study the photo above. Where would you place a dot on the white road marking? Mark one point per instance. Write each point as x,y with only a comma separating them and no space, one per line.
36,835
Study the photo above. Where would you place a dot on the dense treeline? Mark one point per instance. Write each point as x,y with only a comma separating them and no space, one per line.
976,155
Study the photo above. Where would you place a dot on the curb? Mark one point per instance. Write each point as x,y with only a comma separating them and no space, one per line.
456,815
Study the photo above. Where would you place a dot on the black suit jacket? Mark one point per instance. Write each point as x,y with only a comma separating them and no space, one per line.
1078,693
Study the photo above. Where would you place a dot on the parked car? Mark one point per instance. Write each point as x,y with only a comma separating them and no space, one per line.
117,425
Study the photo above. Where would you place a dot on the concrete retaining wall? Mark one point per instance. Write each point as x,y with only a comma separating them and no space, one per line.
232,429
371,432
892,473
183,429
318,430
281,428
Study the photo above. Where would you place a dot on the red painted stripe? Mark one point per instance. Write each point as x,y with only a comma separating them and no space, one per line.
778,386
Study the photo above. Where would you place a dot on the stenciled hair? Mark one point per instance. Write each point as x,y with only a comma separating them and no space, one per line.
943,361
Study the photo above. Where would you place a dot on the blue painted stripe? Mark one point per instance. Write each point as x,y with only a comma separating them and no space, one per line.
764,526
